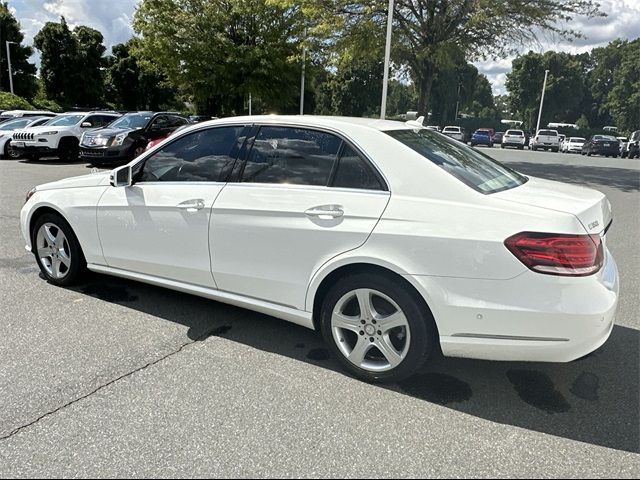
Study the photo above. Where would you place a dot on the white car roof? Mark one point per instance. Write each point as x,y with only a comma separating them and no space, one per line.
315,120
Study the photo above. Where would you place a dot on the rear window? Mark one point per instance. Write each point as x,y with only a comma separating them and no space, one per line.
452,129
576,139
473,168
549,133
515,133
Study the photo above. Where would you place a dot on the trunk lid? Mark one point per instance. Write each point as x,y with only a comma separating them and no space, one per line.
590,206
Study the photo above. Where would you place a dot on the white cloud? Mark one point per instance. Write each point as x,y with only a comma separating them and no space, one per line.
111,17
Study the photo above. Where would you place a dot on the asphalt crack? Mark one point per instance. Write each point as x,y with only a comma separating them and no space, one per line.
210,333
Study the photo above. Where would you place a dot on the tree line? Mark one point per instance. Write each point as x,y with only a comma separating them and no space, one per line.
210,57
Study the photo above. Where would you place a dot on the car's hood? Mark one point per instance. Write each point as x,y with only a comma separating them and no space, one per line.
112,132
590,206
91,180
44,128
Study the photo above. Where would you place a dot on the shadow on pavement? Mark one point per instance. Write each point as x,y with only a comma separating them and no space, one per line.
594,400
623,179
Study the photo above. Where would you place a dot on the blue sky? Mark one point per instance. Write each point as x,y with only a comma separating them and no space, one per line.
113,19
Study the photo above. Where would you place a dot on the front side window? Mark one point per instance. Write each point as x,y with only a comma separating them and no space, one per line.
201,156
474,168
291,155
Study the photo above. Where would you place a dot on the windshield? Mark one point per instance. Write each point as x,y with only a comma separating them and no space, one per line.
15,124
135,120
474,168
65,120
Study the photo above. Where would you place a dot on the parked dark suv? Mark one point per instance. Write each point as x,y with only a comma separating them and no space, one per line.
126,138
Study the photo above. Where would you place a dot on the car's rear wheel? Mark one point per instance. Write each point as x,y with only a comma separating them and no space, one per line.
57,250
376,328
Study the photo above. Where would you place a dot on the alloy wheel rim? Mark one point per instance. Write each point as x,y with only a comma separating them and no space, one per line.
370,330
53,250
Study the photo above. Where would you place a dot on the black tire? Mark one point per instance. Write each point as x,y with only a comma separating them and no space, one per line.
10,152
69,150
555,150
78,264
521,148
422,329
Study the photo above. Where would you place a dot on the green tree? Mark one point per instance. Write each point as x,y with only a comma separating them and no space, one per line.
71,64
565,91
623,100
219,51
425,31
130,86
24,79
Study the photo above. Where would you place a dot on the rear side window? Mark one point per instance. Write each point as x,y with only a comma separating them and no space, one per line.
291,155
354,172
474,168
201,156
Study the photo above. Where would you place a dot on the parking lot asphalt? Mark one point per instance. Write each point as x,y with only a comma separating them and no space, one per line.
115,378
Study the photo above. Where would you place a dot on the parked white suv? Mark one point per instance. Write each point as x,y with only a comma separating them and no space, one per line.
60,136
546,140
454,132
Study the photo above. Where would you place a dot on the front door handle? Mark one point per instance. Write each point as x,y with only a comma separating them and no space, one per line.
325,212
192,206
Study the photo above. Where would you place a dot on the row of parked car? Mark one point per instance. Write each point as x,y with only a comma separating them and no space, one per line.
551,140
102,138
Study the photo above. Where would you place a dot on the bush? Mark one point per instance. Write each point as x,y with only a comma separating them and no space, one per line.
9,101
44,104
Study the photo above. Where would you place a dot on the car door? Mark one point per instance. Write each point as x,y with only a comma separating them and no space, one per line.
302,196
159,225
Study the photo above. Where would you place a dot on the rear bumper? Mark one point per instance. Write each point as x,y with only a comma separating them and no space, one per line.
532,317
605,150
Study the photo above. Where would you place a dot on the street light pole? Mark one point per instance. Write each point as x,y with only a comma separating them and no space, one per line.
544,86
458,100
9,62
387,57
304,55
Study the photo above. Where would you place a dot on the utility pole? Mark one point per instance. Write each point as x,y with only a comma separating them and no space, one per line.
304,65
249,103
387,57
458,100
9,62
544,86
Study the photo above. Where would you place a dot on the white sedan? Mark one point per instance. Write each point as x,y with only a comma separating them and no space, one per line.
572,145
393,240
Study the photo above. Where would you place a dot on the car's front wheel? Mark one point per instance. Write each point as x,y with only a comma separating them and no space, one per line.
57,250
377,328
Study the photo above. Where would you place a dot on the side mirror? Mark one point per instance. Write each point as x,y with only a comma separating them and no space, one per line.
121,177
86,125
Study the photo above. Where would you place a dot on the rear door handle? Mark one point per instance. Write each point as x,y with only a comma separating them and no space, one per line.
192,206
325,212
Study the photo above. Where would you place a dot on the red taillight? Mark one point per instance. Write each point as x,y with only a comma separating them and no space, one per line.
558,254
